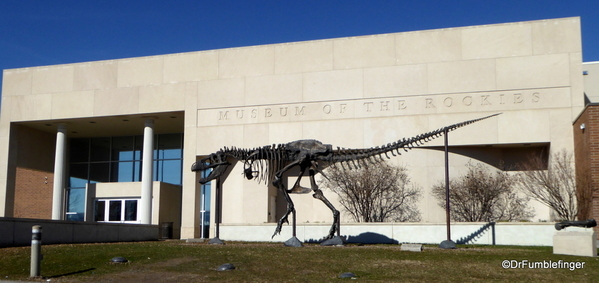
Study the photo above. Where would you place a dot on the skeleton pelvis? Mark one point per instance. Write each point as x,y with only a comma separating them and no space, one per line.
299,190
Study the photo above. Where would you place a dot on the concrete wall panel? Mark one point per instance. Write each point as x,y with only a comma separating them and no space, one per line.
31,107
52,79
534,71
188,67
496,41
16,82
462,76
72,104
395,81
556,36
168,97
334,85
363,52
221,93
246,62
428,46
96,75
311,56
140,71
273,89
116,101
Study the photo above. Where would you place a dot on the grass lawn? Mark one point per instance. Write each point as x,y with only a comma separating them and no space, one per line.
177,261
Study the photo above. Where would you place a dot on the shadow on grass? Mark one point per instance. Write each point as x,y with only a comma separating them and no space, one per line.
71,273
364,238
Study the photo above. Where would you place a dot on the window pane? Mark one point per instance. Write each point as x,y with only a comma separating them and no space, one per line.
169,146
206,196
121,172
76,200
130,210
100,210
76,204
168,171
139,144
122,148
78,175
114,213
137,171
79,150
100,149
99,172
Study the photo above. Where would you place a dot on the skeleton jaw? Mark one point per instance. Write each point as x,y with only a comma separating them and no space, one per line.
217,170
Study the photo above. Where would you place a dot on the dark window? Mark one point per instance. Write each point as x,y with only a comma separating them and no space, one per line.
99,172
78,175
169,147
79,150
100,149
130,210
122,148
114,213
100,210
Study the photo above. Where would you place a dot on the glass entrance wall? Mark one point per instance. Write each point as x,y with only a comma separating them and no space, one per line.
118,159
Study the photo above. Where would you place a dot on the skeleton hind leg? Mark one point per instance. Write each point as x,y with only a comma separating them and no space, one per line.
319,195
290,207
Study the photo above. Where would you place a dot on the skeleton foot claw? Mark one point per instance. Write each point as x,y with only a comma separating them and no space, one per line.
280,225
277,231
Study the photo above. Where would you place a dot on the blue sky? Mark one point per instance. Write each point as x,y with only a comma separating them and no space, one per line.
38,33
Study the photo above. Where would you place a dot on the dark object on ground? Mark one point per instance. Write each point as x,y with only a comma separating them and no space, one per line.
585,224
447,244
118,259
347,275
225,267
216,241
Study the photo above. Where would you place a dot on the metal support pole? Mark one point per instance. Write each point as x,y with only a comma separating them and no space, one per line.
447,244
218,208
294,228
447,215
36,250
217,218
493,231
339,226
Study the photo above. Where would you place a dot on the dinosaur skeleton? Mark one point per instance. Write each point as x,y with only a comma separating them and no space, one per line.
269,163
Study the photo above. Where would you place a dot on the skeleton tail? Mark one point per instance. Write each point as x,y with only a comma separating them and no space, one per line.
362,157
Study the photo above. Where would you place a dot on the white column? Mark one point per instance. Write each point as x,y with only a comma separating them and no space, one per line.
145,206
59,174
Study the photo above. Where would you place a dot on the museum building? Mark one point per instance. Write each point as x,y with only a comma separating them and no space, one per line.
114,141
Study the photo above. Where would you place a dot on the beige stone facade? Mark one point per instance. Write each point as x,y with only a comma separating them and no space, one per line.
349,92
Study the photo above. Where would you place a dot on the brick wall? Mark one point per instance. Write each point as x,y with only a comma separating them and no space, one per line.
33,194
33,186
586,153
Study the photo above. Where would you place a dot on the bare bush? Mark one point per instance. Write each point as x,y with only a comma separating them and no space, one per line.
483,196
554,187
378,193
